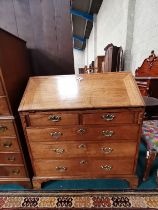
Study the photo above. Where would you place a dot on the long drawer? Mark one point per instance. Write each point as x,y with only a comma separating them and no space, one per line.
53,150
7,128
12,171
81,167
82,133
10,158
9,144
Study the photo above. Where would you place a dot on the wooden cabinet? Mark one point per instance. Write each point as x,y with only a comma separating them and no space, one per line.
98,63
147,76
84,127
113,59
14,73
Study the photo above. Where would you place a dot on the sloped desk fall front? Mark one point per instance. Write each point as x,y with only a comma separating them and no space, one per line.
83,127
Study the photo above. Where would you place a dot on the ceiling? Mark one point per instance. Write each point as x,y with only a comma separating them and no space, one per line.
82,20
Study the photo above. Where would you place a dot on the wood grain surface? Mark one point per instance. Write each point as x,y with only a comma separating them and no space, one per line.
81,92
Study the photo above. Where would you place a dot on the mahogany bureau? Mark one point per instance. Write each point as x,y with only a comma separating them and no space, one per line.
82,127
14,73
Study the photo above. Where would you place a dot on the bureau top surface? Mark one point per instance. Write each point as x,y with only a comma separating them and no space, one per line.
84,91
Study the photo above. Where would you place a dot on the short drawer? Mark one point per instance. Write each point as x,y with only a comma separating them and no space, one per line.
108,117
12,171
51,119
7,128
4,109
9,145
81,167
11,158
104,133
62,150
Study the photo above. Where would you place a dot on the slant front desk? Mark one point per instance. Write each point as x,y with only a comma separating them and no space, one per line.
83,127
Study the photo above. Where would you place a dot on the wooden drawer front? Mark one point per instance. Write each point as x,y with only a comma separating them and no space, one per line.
53,119
12,171
52,150
7,128
9,145
1,89
82,133
83,166
108,117
11,158
4,109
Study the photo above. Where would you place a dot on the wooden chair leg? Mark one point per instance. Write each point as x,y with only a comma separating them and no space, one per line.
151,155
157,177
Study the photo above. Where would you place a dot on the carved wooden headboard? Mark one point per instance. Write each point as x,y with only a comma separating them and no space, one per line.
147,76
149,68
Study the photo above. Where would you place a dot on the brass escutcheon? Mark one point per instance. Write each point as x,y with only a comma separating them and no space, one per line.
81,131
108,117
82,162
107,133
82,146
54,118
106,167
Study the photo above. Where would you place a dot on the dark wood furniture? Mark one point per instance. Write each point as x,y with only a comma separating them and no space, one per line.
87,70
147,81
83,127
98,63
113,60
47,27
147,76
14,73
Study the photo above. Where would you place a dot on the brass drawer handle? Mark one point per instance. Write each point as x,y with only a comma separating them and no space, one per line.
3,128
81,131
11,159
107,133
82,146
108,117
7,144
107,150
82,162
54,118
15,171
61,168
106,167
58,150
56,134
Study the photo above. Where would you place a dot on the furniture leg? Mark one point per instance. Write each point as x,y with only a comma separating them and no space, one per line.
151,155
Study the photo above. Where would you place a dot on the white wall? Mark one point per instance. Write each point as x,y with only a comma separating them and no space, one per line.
145,34
112,24
109,26
79,59
90,47
132,24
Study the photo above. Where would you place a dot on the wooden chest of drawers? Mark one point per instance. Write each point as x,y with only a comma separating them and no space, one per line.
83,127
14,73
